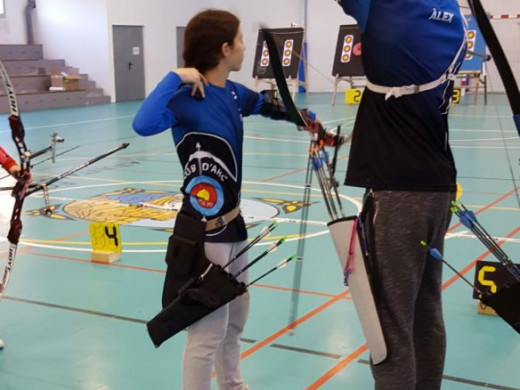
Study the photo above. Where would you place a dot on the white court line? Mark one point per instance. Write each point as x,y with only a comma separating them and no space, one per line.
355,202
472,115
76,249
347,120
483,139
482,131
72,123
485,147
466,234
276,139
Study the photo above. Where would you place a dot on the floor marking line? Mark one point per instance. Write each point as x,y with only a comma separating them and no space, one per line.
488,206
76,310
466,269
344,363
338,367
288,328
463,380
160,271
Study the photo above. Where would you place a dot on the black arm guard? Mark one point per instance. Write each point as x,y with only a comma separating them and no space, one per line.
272,107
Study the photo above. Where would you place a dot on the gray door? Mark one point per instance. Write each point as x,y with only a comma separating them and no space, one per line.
128,62
180,46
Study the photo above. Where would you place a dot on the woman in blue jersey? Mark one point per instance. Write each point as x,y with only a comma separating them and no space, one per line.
204,111
401,155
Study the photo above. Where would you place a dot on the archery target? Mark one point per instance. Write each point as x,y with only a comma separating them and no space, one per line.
264,60
472,34
289,42
347,57
287,52
346,53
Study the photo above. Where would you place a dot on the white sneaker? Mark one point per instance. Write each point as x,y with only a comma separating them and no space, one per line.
2,345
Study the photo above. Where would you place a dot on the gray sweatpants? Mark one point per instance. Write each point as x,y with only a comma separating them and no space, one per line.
215,339
408,286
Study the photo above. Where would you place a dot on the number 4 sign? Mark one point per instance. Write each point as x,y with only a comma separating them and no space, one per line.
106,242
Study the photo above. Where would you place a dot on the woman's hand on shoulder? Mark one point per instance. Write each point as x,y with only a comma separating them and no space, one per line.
194,77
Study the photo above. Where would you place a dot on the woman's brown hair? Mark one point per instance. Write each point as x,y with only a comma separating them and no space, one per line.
204,36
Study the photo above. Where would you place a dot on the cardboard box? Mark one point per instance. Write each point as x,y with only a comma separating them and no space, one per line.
65,82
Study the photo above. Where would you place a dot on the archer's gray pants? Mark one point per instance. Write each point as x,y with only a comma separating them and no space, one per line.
408,287
214,341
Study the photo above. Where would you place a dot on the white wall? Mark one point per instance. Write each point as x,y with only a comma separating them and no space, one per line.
254,13
161,17
81,32
12,26
325,17
77,32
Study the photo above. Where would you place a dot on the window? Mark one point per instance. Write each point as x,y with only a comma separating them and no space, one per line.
2,8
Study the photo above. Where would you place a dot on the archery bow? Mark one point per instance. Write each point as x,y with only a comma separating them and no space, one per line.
315,161
21,189
55,138
504,70
23,177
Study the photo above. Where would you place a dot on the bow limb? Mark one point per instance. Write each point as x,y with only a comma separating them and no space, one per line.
281,82
504,70
23,177
503,66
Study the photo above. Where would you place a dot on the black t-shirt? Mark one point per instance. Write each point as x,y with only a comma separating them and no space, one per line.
402,144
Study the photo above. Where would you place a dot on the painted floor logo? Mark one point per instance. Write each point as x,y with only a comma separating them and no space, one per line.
153,209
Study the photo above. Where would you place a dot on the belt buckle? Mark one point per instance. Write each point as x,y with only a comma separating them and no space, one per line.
220,221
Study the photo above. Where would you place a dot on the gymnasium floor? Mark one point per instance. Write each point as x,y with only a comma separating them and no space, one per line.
71,324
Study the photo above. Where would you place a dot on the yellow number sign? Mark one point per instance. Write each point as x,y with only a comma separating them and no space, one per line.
460,191
487,282
455,98
105,237
353,96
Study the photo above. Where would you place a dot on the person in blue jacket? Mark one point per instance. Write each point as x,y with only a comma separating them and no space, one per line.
411,50
205,111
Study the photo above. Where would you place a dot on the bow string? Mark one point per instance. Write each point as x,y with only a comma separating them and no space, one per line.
297,118
504,70
503,66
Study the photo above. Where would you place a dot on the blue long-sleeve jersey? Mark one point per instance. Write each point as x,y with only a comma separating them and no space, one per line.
208,134
407,41
401,143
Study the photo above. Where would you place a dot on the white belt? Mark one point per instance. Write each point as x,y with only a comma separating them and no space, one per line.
407,89
413,89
